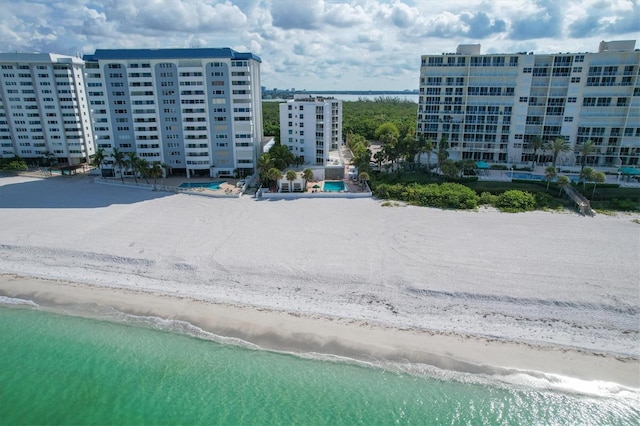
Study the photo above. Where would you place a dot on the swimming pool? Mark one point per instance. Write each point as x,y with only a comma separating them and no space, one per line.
207,185
526,176
531,176
334,186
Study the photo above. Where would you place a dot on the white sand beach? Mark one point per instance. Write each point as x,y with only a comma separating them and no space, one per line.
470,291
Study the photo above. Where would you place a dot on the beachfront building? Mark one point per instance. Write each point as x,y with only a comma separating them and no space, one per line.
198,111
44,112
491,106
311,128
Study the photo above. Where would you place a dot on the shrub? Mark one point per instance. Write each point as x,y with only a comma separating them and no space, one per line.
625,204
515,201
446,195
543,200
487,198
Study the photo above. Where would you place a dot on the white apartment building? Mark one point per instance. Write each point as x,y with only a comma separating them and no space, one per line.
311,128
199,111
44,111
490,106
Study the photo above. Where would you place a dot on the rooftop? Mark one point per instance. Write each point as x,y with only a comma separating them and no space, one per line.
223,52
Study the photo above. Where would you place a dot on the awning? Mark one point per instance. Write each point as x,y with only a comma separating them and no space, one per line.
482,165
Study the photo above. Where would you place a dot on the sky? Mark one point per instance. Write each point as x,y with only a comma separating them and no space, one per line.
320,44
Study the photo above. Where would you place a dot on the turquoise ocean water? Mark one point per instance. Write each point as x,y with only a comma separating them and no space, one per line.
118,369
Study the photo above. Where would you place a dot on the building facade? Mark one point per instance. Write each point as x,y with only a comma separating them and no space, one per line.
490,107
311,128
198,111
44,110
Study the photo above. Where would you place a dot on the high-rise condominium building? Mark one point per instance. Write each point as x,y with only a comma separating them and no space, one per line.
311,127
44,112
198,111
490,107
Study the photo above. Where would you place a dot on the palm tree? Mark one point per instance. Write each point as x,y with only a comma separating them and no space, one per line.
379,158
307,175
273,174
550,173
157,170
98,159
585,149
132,161
598,177
562,182
557,146
364,178
535,144
428,148
144,167
443,154
586,174
118,161
265,162
291,176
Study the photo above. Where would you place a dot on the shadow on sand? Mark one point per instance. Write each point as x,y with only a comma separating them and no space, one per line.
67,192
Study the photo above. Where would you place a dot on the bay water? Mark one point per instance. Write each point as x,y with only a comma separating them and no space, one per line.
57,368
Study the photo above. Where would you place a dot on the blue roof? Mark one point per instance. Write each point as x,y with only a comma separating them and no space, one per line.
223,52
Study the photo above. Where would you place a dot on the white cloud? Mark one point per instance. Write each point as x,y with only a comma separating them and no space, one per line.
317,44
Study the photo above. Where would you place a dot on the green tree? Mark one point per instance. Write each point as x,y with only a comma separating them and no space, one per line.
145,169
291,176
550,173
364,178
281,156
598,177
98,159
443,154
585,149
386,130
535,144
586,174
273,175
428,148
379,157
307,175
449,169
49,159
390,147
157,170
408,148
468,167
133,162
557,146
265,162
119,161
563,181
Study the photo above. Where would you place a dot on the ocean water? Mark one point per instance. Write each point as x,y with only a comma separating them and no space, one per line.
106,367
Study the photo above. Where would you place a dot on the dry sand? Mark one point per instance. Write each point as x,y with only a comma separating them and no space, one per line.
467,291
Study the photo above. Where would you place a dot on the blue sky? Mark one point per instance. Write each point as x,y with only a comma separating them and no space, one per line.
320,44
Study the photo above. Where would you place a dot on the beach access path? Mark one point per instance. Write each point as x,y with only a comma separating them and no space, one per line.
551,292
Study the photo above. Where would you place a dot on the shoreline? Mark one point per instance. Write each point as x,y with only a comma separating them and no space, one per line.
288,331
538,291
